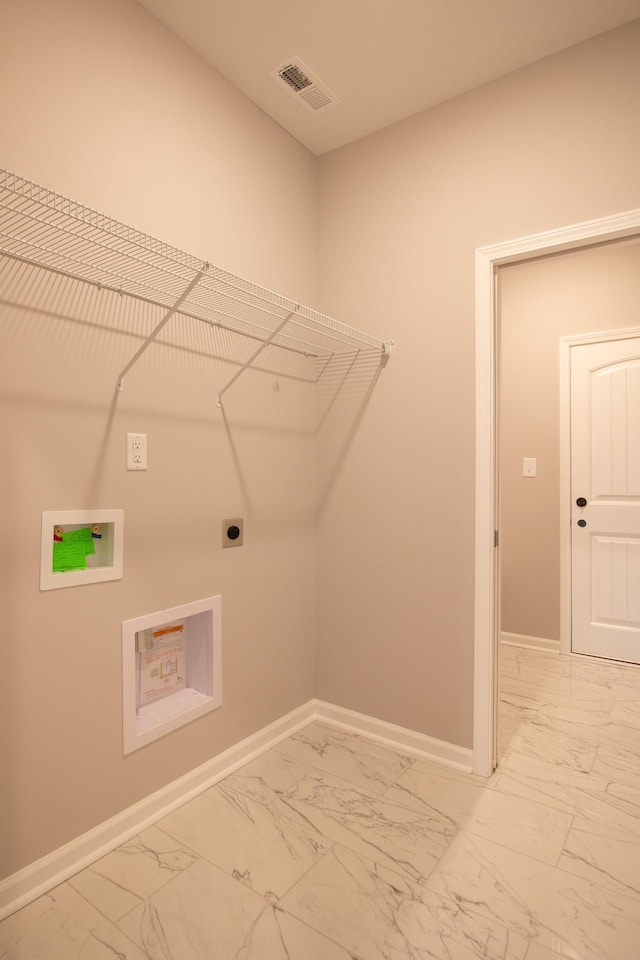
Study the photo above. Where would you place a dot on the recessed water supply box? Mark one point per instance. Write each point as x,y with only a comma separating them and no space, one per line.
80,546
171,670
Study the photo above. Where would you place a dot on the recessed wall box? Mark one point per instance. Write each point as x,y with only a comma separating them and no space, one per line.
80,546
171,670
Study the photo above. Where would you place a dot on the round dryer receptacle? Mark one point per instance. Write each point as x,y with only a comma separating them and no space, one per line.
232,531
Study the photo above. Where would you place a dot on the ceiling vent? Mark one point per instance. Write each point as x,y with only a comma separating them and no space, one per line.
302,84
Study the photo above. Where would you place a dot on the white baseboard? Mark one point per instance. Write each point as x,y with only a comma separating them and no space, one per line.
406,741
37,878
530,643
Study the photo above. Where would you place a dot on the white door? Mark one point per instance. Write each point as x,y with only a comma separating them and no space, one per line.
605,494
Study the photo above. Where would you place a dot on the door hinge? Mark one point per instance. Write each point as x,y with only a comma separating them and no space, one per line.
496,538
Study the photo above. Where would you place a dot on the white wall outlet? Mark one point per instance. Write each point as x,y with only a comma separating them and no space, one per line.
529,467
136,451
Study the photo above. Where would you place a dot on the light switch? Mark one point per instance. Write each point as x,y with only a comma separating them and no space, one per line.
529,467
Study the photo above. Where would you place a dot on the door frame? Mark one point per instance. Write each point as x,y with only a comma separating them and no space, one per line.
566,345
487,261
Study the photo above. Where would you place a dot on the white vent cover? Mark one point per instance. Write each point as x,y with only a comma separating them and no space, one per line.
302,84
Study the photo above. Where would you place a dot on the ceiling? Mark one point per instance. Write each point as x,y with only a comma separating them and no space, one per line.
383,59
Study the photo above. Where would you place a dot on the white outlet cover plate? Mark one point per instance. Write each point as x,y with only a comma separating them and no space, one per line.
136,451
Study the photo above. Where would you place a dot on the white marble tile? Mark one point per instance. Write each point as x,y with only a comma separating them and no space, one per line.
546,669
377,915
248,839
540,666
111,899
576,731
206,914
604,855
390,833
538,901
632,676
619,765
627,712
562,691
353,758
628,688
582,794
566,751
548,730
545,712
279,936
118,881
267,777
510,721
530,827
509,652
62,926
507,730
607,733
538,952
563,694
591,669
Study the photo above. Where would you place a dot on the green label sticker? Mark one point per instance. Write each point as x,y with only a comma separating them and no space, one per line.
71,553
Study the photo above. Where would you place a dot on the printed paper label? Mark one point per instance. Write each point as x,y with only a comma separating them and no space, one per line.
162,662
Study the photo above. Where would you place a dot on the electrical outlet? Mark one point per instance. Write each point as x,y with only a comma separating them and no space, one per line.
232,532
136,451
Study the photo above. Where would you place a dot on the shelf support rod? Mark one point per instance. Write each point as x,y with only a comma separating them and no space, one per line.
256,353
176,306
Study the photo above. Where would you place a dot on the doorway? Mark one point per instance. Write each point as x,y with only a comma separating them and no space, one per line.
540,302
549,310
488,262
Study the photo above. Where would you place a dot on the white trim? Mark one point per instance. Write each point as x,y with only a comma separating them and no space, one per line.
488,259
566,344
37,878
410,742
530,643
565,490
486,579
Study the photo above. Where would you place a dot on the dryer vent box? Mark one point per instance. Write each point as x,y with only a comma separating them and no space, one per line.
171,670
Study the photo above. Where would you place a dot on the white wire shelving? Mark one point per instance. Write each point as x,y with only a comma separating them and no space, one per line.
52,231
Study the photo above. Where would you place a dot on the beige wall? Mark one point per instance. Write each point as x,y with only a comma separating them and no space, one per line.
101,103
401,214
541,301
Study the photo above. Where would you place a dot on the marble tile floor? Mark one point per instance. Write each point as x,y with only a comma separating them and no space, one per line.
332,847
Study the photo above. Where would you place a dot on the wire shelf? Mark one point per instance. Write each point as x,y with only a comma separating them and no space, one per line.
49,230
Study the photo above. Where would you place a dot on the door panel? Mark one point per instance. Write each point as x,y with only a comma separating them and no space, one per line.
605,470
616,567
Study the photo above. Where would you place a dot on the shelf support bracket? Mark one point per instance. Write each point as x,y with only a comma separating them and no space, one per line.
176,306
255,354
